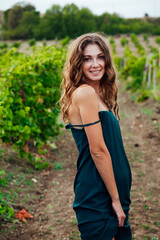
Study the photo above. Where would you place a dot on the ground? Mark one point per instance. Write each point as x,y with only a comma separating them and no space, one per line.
48,194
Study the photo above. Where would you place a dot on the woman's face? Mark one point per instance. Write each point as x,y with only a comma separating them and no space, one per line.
93,65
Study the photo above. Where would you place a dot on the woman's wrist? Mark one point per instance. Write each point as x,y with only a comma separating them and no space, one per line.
115,199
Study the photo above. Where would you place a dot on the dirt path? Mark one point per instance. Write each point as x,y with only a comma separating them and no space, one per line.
53,215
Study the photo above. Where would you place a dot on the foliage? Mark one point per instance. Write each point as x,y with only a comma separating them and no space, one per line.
143,96
158,40
132,72
153,50
3,45
140,73
6,212
118,61
22,21
16,44
2,179
65,41
113,45
32,42
145,37
29,94
124,41
137,44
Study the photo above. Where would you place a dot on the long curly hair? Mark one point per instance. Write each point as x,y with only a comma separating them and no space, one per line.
73,76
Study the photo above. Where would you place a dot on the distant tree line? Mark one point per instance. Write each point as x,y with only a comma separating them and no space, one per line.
22,21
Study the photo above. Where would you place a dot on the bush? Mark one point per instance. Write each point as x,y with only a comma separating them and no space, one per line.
30,91
119,62
44,42
153,50
65,41
113,45
3,45
133,70
144,96
124,41
111,41
140,48
16,44
145,37
157,40
32,42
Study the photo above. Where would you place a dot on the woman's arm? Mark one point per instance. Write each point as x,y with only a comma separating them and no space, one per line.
87,103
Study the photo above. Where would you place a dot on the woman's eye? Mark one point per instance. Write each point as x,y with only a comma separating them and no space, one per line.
86,59
101,57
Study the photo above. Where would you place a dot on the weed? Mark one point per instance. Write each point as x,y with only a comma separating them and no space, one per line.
11,159
49,206
148,193
50,228
141,160
2,179
74,235
56,211
58,166
147,111
146,207
44,218
54,183
25,199
61,154
147,237
73,221
157,223
146,227
158,126
139,174
1,153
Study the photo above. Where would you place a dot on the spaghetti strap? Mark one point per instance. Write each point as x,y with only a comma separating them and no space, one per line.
108,107
69,125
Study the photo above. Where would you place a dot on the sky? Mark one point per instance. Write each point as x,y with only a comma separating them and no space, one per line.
125,8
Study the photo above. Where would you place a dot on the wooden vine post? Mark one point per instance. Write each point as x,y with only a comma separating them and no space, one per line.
154,74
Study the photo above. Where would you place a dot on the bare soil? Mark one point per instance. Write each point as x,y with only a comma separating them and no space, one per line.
48,194
50,198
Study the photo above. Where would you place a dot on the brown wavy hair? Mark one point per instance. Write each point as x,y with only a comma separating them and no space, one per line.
73,76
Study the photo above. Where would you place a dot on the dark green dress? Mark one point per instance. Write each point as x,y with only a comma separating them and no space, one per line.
92,203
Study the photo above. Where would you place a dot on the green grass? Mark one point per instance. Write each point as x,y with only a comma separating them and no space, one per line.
73,221
157,223
58,166
2,151
74,235
147,111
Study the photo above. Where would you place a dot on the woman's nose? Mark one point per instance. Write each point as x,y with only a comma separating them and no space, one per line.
95,63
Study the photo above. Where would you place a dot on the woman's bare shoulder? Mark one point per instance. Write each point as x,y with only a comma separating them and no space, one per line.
84,91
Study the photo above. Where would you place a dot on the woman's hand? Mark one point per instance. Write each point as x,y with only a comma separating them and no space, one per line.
119,212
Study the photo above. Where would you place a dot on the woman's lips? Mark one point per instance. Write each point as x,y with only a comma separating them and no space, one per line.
95,72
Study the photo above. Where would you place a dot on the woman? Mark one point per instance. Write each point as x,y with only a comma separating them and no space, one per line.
89,106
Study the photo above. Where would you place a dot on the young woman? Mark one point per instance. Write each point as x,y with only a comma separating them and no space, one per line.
90,109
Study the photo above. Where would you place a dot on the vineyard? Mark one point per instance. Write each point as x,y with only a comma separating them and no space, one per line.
38,157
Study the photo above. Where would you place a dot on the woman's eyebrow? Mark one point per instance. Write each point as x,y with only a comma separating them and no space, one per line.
87,55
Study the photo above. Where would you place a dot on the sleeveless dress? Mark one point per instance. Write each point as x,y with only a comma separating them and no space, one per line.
92,203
